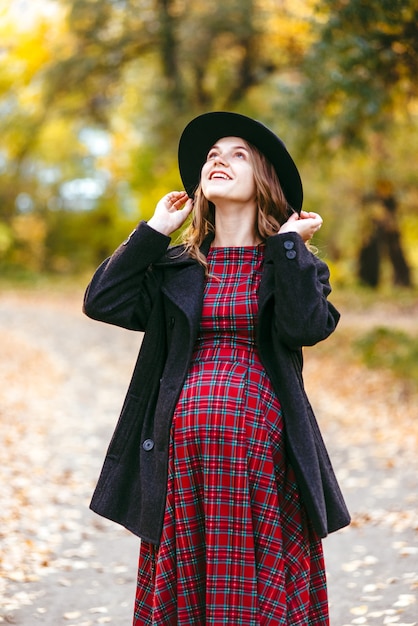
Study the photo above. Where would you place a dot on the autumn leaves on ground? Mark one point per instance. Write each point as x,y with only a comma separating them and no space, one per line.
62,381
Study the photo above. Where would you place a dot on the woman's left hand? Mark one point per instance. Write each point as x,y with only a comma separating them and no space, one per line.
306,224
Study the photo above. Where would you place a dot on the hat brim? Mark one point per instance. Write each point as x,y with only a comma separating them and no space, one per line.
205,130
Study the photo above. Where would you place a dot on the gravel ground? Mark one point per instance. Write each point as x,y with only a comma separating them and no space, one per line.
62,382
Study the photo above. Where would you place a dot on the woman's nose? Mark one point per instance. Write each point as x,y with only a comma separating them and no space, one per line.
221,159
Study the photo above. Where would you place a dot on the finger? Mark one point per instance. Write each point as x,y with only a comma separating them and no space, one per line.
316,227
316,216
177,198
187,208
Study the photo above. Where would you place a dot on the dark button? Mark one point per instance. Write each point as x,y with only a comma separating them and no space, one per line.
148,445
171,322
291,254
289,245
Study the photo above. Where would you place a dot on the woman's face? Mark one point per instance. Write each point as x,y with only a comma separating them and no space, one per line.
228,173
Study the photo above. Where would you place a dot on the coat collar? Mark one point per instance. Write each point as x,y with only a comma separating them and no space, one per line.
186,284
176,255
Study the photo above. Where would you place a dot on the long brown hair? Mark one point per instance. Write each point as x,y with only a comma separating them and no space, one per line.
273,209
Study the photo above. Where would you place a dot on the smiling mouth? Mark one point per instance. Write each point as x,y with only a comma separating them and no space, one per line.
219,176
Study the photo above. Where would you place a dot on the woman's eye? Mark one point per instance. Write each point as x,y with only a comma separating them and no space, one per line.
240,155
212,155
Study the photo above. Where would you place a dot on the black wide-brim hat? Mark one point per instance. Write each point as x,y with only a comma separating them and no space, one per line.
205,130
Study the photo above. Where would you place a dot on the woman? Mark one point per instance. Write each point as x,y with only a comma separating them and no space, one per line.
217,462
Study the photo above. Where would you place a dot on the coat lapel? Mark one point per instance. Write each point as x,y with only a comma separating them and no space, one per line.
186,284
185,288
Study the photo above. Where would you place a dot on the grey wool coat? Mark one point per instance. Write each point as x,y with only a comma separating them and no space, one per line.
147,285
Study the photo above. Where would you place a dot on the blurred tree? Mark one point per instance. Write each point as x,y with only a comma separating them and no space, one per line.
24,51
203,55
359,78
361,69
382,238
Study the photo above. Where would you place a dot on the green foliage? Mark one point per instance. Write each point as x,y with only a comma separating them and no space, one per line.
206,54
362,67
391,349
69,250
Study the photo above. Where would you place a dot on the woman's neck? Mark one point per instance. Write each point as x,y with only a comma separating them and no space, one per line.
235,229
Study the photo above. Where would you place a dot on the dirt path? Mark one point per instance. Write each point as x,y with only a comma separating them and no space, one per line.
62,382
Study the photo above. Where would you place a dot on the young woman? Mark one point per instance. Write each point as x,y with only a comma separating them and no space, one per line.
217,462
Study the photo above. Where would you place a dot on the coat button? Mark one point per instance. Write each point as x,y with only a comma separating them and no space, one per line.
171,322
148,445
291,254
288,244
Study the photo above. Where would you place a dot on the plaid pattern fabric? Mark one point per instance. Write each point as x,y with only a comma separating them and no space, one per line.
236,546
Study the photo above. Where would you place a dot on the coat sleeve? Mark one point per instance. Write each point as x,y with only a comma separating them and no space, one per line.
123,288
303,315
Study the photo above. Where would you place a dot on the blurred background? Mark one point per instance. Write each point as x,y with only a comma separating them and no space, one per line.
93,97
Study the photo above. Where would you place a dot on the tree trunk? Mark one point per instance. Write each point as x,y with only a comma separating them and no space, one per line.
169,55
385,238
369,261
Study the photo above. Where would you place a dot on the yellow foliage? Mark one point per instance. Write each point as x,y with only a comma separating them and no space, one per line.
29,38
6,238
288,28
30,232
29,228
58,141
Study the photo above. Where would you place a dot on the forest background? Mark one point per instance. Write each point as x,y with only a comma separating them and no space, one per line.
94,95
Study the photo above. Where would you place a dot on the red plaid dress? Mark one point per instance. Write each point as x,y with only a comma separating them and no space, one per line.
236,546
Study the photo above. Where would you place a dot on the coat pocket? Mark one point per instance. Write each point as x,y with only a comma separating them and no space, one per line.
127,420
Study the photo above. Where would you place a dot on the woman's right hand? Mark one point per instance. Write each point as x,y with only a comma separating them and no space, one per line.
306,224
171,212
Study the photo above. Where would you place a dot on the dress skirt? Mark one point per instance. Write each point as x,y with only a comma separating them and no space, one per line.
236,546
